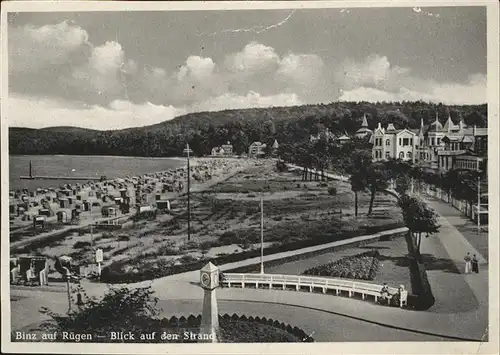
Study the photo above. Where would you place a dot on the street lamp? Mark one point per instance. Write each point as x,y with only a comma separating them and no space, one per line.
261,235
187,151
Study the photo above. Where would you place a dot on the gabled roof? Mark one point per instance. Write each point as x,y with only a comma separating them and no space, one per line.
344,137
398,131
365,122
364,130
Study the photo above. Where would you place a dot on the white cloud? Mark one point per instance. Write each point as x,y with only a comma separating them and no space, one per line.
375,70
38,113
254,58
375,79
301,70
31,48
196,68
471,93
255,76
251,99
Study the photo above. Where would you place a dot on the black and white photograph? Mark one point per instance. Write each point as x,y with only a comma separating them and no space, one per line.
294,175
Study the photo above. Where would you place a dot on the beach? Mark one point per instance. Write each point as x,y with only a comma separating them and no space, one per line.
80,203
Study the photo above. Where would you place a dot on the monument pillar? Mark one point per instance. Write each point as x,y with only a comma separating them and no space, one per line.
209,280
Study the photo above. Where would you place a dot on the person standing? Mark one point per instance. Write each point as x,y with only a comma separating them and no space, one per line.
467,263
475,264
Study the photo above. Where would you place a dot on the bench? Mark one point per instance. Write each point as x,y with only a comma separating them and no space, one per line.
325,284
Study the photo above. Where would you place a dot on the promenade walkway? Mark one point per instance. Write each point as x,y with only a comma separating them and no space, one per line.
465,296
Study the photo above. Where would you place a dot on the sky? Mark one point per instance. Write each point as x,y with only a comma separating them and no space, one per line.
115,70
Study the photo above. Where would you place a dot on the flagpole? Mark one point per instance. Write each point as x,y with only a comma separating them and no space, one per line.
261,235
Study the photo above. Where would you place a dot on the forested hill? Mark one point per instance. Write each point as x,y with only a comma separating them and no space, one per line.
205,130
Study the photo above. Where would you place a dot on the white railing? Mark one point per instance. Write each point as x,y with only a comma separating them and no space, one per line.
312,283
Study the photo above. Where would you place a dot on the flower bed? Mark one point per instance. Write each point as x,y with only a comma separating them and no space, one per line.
362,266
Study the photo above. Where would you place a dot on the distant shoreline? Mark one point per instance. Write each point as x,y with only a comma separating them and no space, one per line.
96,156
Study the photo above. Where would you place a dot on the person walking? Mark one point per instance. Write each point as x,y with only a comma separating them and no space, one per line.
475,264
467,263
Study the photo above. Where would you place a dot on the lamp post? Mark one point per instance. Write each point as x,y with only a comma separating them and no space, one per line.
187,150
478,203
261,235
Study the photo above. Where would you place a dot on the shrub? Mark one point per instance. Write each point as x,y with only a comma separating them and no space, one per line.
168,250
187,259
123,238
228,238
81,245
332,191
189,245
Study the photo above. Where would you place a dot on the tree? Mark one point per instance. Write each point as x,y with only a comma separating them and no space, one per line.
377,180
121,309
418,218
358,171
403,184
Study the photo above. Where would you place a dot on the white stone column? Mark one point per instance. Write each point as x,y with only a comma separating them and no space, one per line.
210,316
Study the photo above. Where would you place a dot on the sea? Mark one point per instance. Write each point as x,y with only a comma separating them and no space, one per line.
82,166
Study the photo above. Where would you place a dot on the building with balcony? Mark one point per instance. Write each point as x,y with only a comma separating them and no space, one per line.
392,143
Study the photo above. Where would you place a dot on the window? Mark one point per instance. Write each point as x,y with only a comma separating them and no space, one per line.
406,141
387,142
401,155
433,141
408,155
411,141
399,141
387,155
439,141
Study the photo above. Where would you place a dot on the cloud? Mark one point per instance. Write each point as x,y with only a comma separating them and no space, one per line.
375,79
251,99
196,68
58,77
39,113
254,58
473,92
302,71
32,48
103,74
374,71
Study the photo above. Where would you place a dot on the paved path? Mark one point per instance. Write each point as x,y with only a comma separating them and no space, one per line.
465,296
